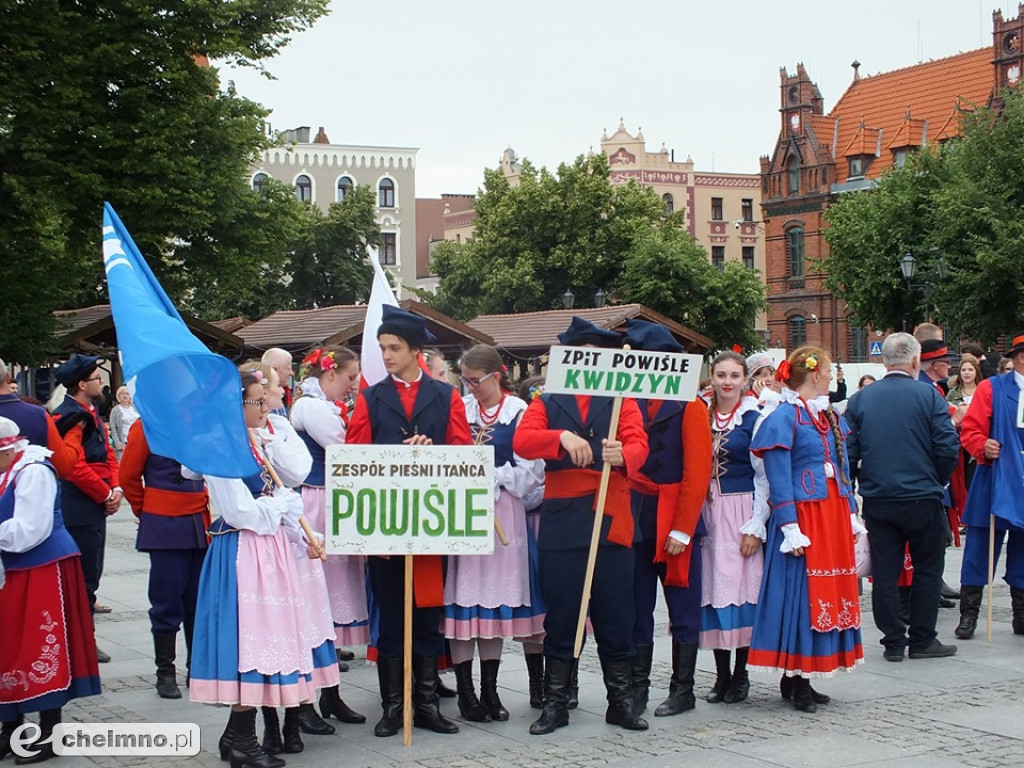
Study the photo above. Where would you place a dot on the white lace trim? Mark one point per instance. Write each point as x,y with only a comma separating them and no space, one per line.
510,409
815,406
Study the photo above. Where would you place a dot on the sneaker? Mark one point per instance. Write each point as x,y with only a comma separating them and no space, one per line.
934,651
893,654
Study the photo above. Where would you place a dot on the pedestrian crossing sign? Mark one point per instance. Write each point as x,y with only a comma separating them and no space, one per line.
876,348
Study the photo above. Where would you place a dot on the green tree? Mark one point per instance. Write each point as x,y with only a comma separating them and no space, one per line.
123,112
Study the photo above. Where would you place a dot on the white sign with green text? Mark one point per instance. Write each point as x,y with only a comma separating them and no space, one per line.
410,500
623,372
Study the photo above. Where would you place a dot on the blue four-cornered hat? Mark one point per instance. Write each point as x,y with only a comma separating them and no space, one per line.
582,332
651,337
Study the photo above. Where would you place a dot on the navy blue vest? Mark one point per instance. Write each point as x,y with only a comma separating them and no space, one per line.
57,546
31,419
664,438
159,532
315,478
564,414
94,437
78,508
736,471
390,426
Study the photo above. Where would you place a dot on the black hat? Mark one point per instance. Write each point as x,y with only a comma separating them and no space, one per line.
405,325
651,337
933,349
582,332
1016,345
75,369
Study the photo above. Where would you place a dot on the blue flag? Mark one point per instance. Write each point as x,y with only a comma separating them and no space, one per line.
190,398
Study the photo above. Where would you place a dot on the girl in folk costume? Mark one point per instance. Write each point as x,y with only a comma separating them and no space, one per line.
808,613
320,416
491,597
732,555
47,648
278,440
254,639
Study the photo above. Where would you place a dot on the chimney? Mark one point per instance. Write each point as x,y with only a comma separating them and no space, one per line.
321,137
856,70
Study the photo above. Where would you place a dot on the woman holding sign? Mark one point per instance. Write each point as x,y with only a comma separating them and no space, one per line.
808,614
491,597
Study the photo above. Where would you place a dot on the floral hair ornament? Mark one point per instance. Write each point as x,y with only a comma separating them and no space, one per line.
536,391
811,362
325,360
783,371
257,374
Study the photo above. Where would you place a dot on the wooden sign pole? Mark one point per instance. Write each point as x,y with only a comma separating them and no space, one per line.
407,656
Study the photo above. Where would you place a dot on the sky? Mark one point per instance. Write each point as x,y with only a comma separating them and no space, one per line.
462,80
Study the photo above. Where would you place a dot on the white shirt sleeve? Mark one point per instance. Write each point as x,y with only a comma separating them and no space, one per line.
232,500
522,479
287,453
318,419
34,492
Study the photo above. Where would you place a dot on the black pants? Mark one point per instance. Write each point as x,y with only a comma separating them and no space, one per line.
683,602
92,541
387,580
611,600
173,587
892,525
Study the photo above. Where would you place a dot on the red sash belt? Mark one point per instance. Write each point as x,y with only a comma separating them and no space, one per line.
158,501
427,581
574,483
677,567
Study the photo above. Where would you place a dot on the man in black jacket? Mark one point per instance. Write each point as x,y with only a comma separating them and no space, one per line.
903,449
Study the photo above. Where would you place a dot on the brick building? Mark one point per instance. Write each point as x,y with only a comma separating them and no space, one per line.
818,156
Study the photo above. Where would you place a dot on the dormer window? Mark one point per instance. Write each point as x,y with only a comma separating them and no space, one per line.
856,168
899,157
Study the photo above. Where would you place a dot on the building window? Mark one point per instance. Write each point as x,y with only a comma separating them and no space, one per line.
388,249
345,185
795,251
304,189
824,176
670,203
258,181
716,209
793,174
748,209
856,167
797,332
900,158
858,344
748,256
718,257
387,194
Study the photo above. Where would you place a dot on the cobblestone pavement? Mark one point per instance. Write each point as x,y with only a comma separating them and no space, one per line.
962,711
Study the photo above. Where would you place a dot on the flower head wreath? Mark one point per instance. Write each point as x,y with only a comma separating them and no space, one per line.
318,358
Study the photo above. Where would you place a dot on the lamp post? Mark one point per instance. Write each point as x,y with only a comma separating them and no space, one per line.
908,267
600,298
568,299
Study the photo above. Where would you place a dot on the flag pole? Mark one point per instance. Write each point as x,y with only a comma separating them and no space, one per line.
991,571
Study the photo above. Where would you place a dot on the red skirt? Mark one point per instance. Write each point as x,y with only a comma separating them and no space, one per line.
47,641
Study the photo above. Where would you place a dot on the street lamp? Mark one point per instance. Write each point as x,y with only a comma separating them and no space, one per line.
568,299
600,298
908,266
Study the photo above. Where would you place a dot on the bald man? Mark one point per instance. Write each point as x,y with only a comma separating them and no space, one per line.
281,361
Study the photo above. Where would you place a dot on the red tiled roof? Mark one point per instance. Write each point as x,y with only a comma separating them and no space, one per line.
910,134
865,142
927,91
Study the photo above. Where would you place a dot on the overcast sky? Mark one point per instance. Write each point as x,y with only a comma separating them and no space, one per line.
463,79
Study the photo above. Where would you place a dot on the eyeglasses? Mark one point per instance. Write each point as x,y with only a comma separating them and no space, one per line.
97,377
474,383
262,403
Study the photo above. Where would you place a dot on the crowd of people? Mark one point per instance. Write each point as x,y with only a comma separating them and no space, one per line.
741,503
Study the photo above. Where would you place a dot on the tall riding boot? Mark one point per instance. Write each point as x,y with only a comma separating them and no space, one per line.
469,704
425,710
245,750
272,743
970,607
724,676
189,626
555,711
48,720
620,697
310,721
1017,604
739,687
680,689
6,730
331,704
489,690
290,733
640,676
904,593
535,668
574,686
164,651
389,676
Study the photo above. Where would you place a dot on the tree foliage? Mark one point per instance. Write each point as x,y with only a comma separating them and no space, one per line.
575,230
963,203
123,112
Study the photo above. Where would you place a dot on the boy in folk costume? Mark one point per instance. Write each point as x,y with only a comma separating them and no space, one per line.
570,432
408,408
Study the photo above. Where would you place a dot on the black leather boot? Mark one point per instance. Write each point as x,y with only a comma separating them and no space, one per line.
680,689
970,607
310,721
574,686
245,750
332,705
426,712
48,719
290,733
189,627
555,710
640,676
164,651
489,690
1017,604
389,676
724,672
469,704
535,668
620,697
786,687
272,743
226,738
443,690
739,686
6,729
803,701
